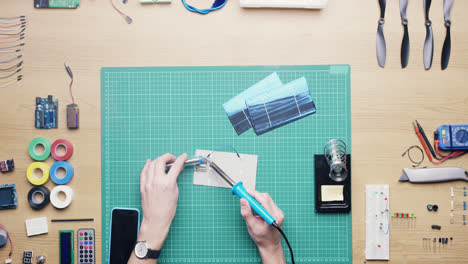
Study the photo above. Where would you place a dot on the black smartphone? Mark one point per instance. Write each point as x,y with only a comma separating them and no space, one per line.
125,223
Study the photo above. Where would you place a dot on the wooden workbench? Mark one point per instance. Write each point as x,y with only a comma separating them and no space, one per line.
384,101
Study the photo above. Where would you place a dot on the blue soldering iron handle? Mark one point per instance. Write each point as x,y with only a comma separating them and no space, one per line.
240,191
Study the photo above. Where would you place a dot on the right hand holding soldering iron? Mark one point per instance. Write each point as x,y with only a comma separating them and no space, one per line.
267,238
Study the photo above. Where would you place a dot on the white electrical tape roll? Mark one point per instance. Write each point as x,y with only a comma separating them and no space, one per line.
54,196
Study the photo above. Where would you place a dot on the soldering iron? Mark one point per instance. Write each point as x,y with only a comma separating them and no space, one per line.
239,190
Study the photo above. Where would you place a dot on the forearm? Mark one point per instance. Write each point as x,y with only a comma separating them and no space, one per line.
272,254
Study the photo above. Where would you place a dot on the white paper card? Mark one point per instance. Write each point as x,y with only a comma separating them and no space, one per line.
239,169
332,193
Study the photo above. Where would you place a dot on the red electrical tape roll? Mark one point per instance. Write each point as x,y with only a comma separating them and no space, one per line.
68,149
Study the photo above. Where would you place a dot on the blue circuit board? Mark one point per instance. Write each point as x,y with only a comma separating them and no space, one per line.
8,197
46,114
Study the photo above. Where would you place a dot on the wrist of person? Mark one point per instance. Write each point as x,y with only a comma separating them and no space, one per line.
270,249
153,235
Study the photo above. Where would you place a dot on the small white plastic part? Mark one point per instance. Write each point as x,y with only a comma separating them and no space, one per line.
37,226
451,218
307,4
451,191
8,260
451,205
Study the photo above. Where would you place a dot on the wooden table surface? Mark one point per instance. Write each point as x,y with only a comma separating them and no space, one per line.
384,101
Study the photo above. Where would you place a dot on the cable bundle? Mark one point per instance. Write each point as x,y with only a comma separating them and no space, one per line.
269,104
12,32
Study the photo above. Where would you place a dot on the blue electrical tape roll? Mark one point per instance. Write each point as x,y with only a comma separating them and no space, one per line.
68,172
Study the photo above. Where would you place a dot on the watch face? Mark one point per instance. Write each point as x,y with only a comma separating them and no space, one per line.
141,249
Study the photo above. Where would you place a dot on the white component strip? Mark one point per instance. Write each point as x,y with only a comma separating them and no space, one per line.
307,4
377,222
37,226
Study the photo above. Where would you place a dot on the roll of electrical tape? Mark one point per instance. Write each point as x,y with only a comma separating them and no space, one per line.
45,173
56,201
33,148
68,172
61,143
37,204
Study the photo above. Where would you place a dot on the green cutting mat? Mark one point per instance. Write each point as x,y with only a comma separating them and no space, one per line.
147,112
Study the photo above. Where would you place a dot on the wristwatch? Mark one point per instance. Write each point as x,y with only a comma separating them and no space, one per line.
143,252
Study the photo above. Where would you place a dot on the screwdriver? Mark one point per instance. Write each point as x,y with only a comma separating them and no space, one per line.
237,188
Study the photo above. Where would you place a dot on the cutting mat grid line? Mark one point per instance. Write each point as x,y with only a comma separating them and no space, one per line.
147,112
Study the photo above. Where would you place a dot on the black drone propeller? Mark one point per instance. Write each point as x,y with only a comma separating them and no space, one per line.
429,42
447,43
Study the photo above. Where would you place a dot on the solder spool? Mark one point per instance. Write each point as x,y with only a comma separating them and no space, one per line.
335,154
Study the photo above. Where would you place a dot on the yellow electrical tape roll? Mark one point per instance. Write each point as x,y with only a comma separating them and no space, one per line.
45,173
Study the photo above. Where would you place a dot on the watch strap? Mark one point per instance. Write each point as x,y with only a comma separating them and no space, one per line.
153,254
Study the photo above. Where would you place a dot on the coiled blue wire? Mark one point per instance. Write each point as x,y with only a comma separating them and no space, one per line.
216,5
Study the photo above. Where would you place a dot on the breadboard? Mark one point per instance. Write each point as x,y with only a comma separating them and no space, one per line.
377,222
146,112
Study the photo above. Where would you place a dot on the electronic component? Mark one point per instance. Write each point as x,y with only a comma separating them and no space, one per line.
40,259
8,197
431,207
27,257
56,3
436,227
377,222
127,18
86,246
72,109
73,220
46,115
4,236
37,226
66,252
7,165
453,137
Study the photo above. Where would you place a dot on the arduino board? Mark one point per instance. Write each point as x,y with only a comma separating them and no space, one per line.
46,115
56,3
453,137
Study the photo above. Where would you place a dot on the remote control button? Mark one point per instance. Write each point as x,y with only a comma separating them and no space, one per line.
86,247
85,260
86,251
86,242
90,252
81,256
91,233
81,238
90,242
81,251
81,247
81,242
90,247
81,233
90,238
86,238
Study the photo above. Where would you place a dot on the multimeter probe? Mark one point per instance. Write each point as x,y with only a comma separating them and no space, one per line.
452,138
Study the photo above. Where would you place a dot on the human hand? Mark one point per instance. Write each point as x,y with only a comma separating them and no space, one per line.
159,195
267,238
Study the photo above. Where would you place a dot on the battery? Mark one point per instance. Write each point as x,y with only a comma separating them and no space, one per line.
73,116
